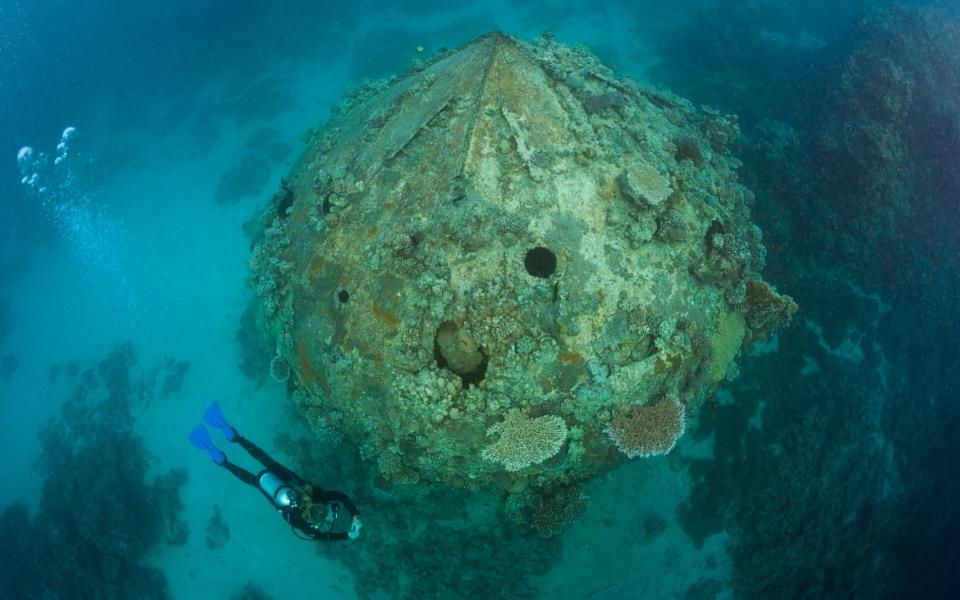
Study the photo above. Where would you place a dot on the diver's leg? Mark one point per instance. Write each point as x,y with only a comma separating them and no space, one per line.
240,473
257,453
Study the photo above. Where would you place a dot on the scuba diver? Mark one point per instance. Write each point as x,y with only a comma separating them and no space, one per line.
313,513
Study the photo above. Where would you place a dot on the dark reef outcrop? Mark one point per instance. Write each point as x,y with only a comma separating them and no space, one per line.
97,514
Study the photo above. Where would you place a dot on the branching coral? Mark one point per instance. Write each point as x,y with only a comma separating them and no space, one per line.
768,310
525,441
553,512
648,430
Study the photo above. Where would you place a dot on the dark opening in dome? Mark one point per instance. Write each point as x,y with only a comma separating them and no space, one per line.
343,296
540,262
458,352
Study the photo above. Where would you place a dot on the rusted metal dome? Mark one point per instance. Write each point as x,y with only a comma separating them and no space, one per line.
484,271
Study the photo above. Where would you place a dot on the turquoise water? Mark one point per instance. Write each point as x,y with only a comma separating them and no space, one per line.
824,469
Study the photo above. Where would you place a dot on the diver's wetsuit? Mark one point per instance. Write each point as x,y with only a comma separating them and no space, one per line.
292,515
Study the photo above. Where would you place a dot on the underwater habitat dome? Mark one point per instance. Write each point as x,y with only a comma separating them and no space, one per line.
511,269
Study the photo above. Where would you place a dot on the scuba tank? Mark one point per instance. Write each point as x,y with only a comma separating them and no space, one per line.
277,491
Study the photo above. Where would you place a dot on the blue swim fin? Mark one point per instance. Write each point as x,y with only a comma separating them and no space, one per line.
200,438
214,418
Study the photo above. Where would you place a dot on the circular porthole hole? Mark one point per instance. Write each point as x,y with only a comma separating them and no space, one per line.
540,262
343,296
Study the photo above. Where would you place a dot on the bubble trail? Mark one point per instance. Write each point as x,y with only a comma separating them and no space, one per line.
93,238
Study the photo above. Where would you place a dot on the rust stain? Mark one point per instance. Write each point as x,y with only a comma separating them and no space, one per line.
317,265
297,217
386,316
666,365
373,230
569,357
308,374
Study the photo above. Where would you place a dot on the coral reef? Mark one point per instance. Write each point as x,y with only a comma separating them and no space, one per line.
803,453
173,376
748,56
768,311
97,516
218,534
830,476
648,430
651,527
262,151
879,152
555,510
829,472
507,235
251,592
69,370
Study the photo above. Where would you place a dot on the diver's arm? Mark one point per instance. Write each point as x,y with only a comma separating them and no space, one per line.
335,496
303,530
329,536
